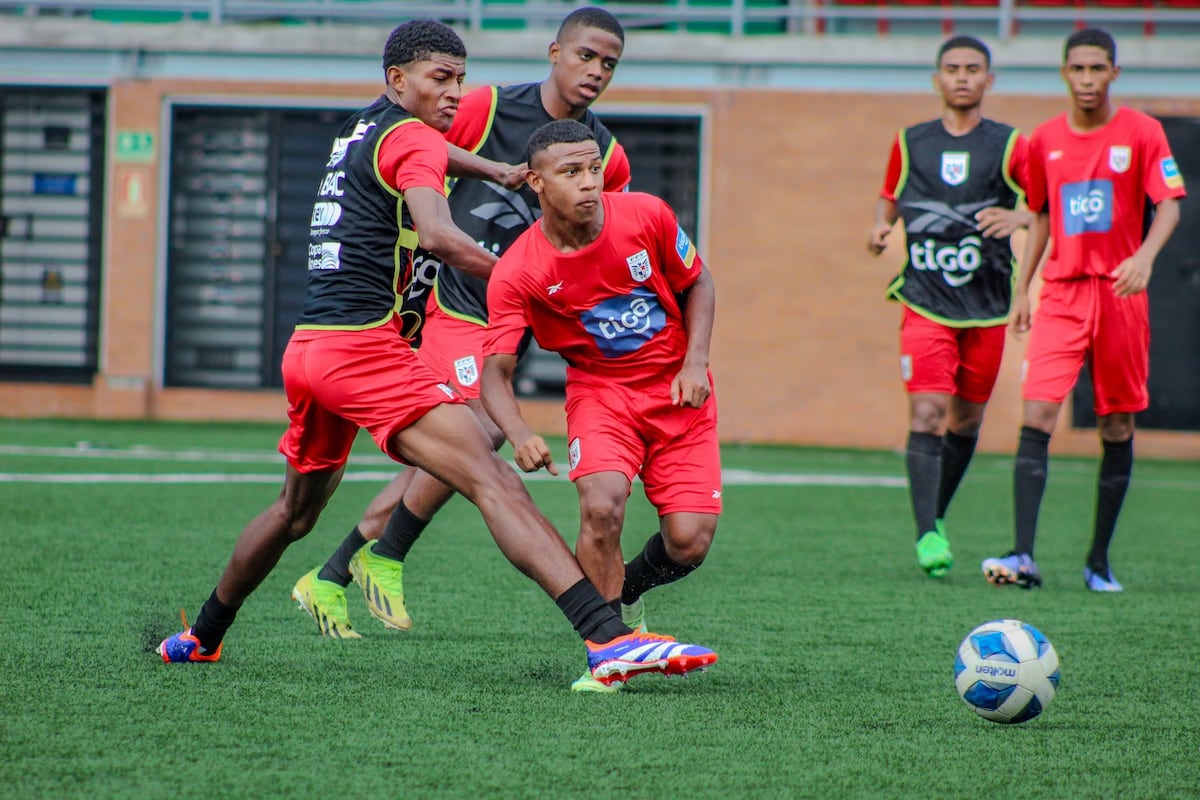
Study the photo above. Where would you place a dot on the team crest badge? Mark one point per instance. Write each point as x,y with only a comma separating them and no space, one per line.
639,265
1120,156
573,453
466,371
955,167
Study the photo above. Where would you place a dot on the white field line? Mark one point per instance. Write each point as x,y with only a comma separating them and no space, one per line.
730,477
734,477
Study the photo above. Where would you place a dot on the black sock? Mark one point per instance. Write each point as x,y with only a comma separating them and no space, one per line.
924,461
211,623
591,616
1029,483
337,568
956,457
1116,468
402,529
652,567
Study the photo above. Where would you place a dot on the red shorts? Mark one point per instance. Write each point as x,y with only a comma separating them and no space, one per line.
939,359
613,428
1082,319
453,349
339,381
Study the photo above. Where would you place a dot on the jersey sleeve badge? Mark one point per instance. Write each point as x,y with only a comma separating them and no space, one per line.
1170,173
684,248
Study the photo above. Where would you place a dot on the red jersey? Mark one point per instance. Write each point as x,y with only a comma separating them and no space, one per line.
611,309
1096,184
477,110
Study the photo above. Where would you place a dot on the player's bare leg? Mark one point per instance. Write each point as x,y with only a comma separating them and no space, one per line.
293,514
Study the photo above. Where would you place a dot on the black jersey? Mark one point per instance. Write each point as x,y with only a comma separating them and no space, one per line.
361,236
489,213
953,274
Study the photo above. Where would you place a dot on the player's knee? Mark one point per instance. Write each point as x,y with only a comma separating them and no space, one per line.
602,518
296,522
690,546
927,416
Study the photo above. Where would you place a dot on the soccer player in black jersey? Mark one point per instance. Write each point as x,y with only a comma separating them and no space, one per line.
347,366
493,123
956,181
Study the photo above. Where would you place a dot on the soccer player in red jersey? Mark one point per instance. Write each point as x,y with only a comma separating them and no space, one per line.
493,123
1092,171
956,181
613,284
347,367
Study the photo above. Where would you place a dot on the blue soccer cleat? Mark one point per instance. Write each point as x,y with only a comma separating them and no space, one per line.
1101,580
1012,568
636,653
184,647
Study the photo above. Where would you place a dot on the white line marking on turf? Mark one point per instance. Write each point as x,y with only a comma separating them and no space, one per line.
732,477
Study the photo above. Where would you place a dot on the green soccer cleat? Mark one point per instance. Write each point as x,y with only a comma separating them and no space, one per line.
587,683
933,553
325,602
382,582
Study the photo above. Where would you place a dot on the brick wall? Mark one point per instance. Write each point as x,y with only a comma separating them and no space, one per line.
805,347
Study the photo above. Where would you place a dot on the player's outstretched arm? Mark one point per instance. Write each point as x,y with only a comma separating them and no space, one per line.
886,214
530,451
998,222
1035,247
439,235
1133,274
465,164
690,386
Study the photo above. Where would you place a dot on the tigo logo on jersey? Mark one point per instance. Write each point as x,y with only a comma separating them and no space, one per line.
1087,207
955,167
621,325
1120,156
683,246
639,265
1170,173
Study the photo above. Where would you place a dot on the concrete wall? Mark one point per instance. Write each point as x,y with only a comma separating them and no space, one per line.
805,347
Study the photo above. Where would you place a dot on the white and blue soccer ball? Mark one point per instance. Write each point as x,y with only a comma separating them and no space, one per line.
1006,671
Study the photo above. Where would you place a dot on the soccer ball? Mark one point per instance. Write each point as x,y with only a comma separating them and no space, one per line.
1006,671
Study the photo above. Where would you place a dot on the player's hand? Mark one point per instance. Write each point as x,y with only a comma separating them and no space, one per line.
515,177
879,238
1018,320
533,454
1132,276
690,387
1000,223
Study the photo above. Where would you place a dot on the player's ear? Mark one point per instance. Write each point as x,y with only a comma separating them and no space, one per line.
534,180
991,78
395,78
1116,72
553,52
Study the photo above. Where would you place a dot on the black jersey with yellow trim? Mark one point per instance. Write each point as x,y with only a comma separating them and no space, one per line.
953,274
489,213
361,236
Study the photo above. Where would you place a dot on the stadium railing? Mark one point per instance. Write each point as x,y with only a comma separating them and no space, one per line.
1002,18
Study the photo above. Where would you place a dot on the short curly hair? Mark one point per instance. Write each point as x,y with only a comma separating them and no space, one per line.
1092,37
591,17
560,131
418,40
